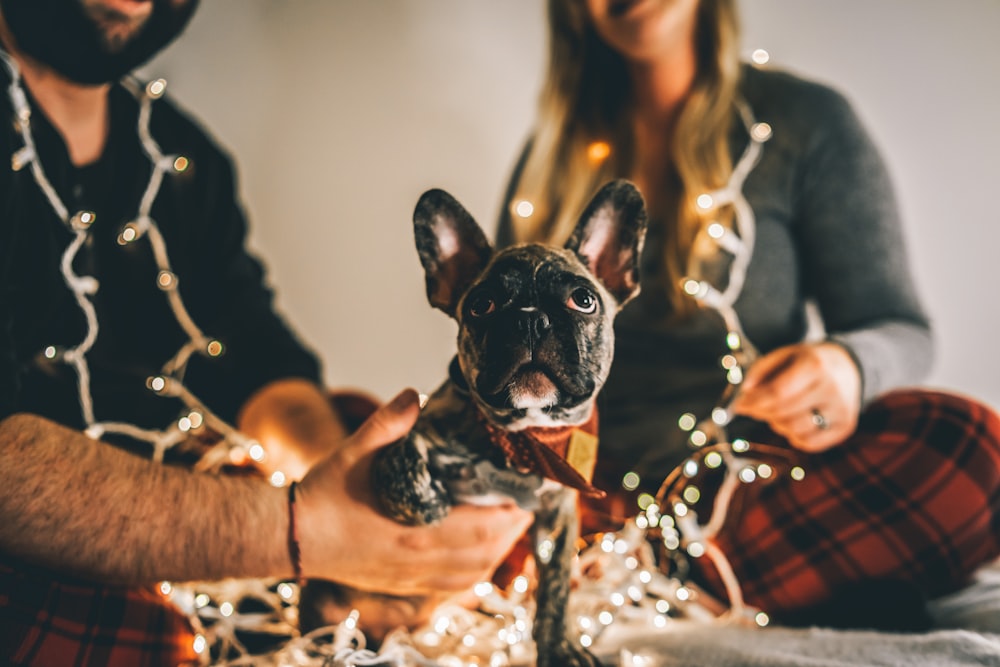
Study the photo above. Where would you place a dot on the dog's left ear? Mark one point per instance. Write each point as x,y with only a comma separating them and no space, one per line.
452,248
609,237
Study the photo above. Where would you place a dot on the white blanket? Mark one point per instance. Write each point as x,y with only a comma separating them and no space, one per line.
967,635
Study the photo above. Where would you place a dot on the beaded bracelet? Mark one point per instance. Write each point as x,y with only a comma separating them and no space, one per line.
294,552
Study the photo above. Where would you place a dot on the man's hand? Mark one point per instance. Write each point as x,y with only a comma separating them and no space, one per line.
344,538
808,393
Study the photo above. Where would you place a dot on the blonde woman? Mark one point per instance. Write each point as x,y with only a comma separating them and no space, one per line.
799,208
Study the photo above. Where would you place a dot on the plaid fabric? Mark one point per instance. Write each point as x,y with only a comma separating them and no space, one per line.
913,496
49,623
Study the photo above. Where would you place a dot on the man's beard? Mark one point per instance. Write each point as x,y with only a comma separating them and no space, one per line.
61,35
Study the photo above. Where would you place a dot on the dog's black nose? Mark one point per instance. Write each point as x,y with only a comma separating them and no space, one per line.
533,323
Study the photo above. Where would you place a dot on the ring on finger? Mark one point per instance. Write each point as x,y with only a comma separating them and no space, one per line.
819,420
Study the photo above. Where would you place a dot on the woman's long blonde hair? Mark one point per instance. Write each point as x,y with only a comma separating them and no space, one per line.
585,107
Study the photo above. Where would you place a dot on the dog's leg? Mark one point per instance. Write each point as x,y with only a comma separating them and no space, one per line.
554,534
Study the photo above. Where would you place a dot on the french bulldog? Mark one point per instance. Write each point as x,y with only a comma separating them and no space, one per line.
516,418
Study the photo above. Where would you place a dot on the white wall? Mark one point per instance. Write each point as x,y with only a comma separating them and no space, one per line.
341,113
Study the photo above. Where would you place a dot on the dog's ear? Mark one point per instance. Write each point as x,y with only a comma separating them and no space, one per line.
609,237
451,245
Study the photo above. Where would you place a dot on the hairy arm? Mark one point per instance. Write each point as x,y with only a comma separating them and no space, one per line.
83,507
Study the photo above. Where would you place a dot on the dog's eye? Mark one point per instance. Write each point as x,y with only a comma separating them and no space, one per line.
582,299
481,304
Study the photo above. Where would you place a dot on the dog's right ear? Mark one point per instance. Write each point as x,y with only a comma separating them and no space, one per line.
452,248
609,238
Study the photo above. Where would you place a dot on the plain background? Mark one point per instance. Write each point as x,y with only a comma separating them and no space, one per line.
340,113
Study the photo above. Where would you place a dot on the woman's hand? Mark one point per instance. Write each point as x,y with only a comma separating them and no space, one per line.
344,538
809,393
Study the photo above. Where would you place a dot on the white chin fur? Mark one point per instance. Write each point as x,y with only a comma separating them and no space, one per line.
525,400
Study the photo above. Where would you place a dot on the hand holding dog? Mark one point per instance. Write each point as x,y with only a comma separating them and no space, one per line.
344,538
789,386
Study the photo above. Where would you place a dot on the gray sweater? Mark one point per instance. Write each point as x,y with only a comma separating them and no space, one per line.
828,231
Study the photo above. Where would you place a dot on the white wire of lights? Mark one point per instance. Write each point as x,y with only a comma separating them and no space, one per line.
709,436
169,382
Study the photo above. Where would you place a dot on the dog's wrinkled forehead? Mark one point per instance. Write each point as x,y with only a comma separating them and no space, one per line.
528,272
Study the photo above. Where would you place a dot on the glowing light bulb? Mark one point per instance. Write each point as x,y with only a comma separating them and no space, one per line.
226,609
696,550
50,352
692,287
524,208
720,416
156,384
630,482
733,340
716,231
760,56
605,618
256,452
687,421
690,468
82,220
285,591
705,202
741,446
521,584
156,88
645,500
201,600
200,644
762,619
761,131
128,234
691,494
713,460
214,348
598,151
165,588
698,438
181,164
483,588
166,280
797,473
729,362
662,606
764,471
748,475
278,479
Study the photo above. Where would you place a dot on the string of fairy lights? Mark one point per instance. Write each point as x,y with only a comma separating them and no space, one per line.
619,581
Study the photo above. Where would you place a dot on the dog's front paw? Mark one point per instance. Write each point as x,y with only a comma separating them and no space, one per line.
566,654
405,487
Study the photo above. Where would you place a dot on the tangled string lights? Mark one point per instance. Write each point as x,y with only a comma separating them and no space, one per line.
618,582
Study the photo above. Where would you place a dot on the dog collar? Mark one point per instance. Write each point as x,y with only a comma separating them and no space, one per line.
566,454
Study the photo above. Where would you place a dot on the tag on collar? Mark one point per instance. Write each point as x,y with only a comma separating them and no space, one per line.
581,453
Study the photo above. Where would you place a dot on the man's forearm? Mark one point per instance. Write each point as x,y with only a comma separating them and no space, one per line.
81,506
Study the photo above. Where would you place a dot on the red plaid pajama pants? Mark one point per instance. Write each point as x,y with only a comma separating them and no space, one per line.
913,496
46,622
